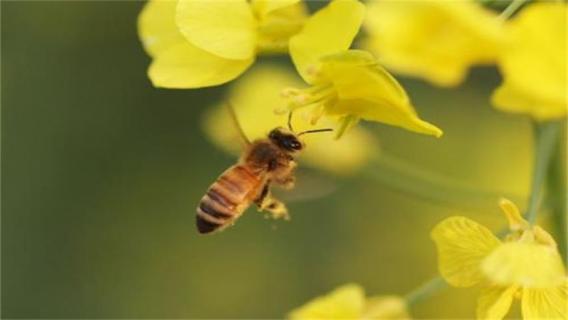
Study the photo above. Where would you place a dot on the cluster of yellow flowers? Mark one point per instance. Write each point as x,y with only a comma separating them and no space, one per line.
440,40
197,44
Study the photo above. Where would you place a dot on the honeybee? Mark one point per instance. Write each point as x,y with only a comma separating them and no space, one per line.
263,163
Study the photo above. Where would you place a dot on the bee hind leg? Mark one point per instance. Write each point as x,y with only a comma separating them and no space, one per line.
276,208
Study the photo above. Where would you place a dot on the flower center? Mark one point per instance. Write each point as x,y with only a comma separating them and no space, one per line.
319,97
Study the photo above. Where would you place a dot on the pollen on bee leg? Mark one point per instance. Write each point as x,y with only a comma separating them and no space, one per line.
277,210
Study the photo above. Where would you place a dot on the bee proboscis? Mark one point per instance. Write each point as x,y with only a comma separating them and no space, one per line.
264,162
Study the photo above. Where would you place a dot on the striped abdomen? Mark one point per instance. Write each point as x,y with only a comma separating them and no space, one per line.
227,198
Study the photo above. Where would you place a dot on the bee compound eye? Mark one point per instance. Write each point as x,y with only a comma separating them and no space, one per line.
289,144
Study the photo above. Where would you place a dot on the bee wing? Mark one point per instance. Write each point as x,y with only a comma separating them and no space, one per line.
309,185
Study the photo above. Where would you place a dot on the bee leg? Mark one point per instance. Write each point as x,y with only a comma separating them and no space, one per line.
266,202
276,208
262,196
287,179
287,183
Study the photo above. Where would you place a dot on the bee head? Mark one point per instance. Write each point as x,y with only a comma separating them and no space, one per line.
285,139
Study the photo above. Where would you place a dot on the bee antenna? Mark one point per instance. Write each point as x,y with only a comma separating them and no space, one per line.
290,120
314,131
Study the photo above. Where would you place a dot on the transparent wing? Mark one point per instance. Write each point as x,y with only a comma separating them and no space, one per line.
310,185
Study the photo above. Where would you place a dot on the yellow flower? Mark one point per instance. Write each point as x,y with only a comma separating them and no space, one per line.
533,63
349,302
434,40
348,85
255,97
206,43
526,265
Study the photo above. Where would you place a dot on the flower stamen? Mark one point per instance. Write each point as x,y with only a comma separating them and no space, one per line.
322,95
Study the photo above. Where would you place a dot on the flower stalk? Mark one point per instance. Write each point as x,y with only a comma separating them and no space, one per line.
425,291
557,195
511,9
403,176
545,137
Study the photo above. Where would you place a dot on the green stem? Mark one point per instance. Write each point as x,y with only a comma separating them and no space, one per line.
545,139
511,9
401,175
557,195
425,290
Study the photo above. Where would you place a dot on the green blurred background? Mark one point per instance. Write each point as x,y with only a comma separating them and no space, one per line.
102,172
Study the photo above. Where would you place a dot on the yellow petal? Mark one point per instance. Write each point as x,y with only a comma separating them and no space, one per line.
328,31
264,7
516,220
434,40
346,302
524,264
185,66
223,28
257,95
157,28
549,303
543,237
462,245
283,20
368,91
357,75
511,98
494,302
533,63
386,308
384,113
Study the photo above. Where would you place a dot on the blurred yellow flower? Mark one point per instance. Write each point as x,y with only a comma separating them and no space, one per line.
255,97
206,43
348,85
349,302
434,40
533,63
526,265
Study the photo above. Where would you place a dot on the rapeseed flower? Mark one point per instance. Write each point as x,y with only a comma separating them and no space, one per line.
434,40
206,43
526,266
255,97
349,302
347,85
533,63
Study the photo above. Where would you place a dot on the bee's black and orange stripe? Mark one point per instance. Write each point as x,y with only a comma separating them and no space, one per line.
227,198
